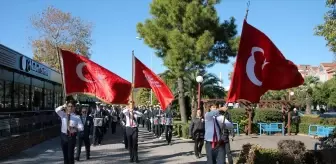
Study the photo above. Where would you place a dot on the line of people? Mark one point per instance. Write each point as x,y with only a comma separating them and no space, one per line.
80,124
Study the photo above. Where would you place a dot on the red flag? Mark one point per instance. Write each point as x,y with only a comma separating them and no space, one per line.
260,66
145,78
82,75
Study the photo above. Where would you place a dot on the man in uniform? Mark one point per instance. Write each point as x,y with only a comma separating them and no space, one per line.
156,122
123,123
85,135
114,119
98,118
169,125
132,130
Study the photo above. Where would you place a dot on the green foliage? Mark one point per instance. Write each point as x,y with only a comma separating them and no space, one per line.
188,36
267,115
328,29
142,97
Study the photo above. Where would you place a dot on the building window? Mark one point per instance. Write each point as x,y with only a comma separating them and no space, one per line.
2,94
8,94
16,95
27,97
37,98
48,99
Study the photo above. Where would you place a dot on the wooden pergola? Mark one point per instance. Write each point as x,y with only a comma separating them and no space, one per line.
283,105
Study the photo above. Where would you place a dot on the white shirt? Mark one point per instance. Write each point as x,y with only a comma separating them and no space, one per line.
75,121
136,114
209,124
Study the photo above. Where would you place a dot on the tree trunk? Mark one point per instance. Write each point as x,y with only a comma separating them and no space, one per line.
180,87
194,107
308,105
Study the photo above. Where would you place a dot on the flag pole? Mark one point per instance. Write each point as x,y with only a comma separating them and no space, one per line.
60,60
247,9
132,96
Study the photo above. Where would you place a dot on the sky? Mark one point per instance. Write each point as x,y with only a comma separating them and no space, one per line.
289,23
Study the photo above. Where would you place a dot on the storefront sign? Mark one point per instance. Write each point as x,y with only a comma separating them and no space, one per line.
28,65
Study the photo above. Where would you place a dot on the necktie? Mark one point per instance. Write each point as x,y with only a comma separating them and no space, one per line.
131,119
214,137
68,124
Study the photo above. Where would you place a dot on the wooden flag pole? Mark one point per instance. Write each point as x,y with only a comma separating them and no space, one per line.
247,9
60,60
133,62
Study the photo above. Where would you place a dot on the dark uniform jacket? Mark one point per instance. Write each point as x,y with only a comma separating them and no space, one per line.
88,127
197,128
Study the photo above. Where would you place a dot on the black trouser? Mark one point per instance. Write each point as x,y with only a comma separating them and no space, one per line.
296,128
68,144
125,138
162,129
215,155
80,141
169,133
198,146
132,137
143,120
98,137
149,125
156,129
113,127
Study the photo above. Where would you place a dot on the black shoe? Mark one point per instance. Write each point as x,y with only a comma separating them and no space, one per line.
77,158
137,161
87,158
131,160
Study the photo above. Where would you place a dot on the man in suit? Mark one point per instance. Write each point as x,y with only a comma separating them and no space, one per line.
85,135
123,123
98,117
114,119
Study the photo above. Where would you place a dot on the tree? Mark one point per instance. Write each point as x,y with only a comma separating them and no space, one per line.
188,36
328,29
142,97
58,28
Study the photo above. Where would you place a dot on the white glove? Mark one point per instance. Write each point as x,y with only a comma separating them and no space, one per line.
64,105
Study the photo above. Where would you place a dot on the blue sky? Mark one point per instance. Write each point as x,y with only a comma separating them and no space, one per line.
289,23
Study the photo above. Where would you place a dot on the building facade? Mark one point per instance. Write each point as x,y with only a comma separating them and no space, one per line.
325,71
27,85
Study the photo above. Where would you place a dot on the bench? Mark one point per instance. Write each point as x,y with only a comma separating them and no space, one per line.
271,127
321,131
236,128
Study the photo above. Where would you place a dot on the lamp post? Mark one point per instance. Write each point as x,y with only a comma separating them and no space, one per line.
290,95
199,80
151,62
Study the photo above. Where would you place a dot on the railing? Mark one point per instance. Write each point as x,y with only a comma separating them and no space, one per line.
18,125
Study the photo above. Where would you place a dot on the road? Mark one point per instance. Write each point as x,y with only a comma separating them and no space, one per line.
151,150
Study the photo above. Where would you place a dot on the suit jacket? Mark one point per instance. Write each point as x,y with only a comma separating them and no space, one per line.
197,128
88,127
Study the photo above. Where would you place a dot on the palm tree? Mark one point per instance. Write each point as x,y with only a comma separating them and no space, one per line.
209,88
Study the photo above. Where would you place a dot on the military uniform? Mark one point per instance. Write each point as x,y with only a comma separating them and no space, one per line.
85,135
169,125
99,122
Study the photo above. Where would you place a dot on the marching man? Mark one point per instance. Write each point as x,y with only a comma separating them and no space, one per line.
132,130
85,135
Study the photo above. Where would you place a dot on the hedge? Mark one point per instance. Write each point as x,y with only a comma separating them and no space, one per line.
261,115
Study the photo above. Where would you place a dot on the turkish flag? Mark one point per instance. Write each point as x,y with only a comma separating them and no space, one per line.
145,78
260,67
82,75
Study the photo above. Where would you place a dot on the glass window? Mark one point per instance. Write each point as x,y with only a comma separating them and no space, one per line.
22,97
2,94
37,98
8,94
16,95
48,99
26,103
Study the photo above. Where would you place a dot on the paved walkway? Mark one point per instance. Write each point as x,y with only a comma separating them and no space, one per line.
151,150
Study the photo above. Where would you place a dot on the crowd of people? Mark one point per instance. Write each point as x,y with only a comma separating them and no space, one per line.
86,124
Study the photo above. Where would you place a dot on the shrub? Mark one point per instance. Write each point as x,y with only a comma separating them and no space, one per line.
292,151
268,115
244,153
